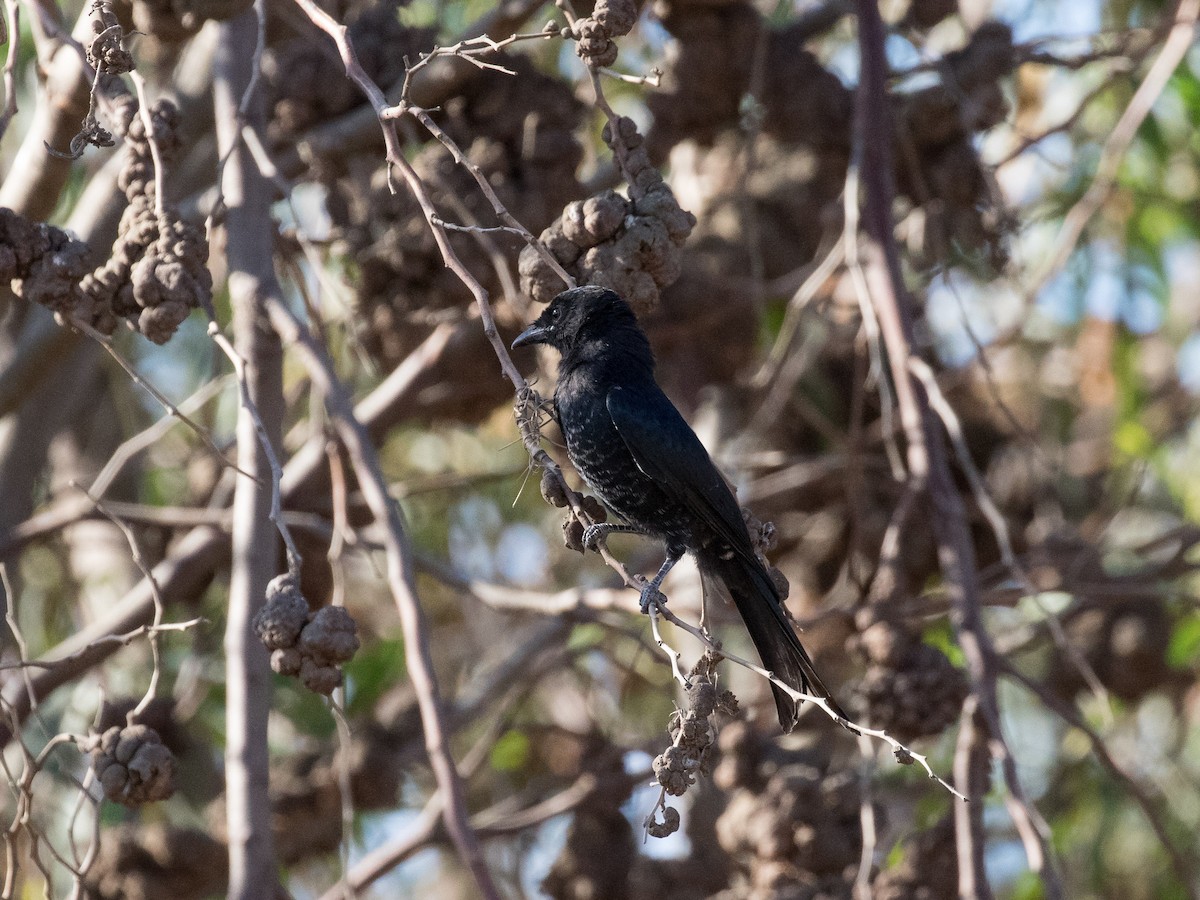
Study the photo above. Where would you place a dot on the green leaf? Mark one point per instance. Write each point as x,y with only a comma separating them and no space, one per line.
942,637
511,752
372,671
1184,649
583,636
1028,887
1133,439
304,709
1157,223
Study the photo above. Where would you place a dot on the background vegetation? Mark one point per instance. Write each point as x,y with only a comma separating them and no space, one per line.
923,275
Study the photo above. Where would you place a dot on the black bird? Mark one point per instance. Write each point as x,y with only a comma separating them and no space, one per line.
634,449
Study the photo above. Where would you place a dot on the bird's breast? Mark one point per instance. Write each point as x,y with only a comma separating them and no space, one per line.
602,458
596,448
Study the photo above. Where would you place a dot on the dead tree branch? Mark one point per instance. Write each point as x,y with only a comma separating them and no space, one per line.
252,285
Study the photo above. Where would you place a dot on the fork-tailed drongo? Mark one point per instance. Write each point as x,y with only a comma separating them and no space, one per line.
639,455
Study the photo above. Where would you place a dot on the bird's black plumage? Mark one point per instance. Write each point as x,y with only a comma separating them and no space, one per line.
639,455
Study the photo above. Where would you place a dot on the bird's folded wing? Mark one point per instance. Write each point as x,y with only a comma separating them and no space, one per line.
667,450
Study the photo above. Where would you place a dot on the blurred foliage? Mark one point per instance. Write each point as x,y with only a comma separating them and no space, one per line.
1078,403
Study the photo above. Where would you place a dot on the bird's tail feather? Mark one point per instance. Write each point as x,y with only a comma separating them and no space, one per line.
758,602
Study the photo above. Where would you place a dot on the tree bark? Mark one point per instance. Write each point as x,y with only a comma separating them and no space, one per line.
250,239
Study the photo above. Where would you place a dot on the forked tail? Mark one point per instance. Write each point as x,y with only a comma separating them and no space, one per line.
780,650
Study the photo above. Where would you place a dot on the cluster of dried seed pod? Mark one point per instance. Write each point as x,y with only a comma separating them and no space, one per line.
158,270
910,688
693,734
594,34
632,245
43,263
311,646
928,869
133,765
792,827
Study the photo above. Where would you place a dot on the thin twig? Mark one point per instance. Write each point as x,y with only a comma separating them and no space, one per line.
803,295
11,26
147,117
1152,807
867,819
14,627
276,513
1179,41
903,753
999,526
470,49
341,763
111,640
870,322
136,377
497,821
653,78
156,626
671,652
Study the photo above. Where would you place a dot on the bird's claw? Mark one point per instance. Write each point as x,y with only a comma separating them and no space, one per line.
592,535
651,596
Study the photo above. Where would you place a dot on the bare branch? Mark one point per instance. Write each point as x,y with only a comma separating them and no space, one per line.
927,461
401,580
256,505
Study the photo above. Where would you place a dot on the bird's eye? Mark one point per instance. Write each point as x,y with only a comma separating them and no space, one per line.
554,312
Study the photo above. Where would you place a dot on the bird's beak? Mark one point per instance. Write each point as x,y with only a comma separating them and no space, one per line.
534,334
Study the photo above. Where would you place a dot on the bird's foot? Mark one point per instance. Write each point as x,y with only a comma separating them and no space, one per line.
651,596
592,535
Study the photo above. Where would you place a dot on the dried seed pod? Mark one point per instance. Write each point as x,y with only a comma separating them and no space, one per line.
672,772
318,678
553,491
668,826
595,47
279,622
133,766
593,508
702,697
572,533
287,661
616,16
331,636
910,689
603,215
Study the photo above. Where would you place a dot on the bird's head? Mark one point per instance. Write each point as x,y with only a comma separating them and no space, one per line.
577,315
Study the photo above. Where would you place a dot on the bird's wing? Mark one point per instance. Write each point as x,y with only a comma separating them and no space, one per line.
667,450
